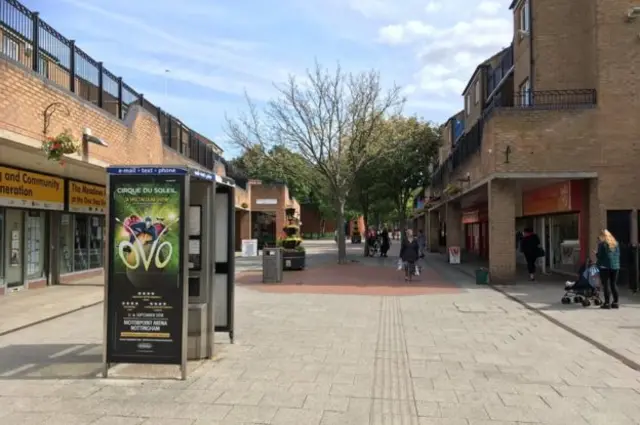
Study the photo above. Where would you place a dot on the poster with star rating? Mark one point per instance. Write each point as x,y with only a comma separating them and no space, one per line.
145,283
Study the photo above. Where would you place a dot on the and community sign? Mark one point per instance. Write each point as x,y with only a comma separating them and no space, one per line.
87,198
24,189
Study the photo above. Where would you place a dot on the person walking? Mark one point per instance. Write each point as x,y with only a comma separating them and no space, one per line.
608,262
422,242
409,254
531,248
386,242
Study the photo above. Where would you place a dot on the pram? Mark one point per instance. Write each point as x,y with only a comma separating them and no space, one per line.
586,289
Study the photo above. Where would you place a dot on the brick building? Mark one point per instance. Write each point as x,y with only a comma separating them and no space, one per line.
270,204
52,216
548,138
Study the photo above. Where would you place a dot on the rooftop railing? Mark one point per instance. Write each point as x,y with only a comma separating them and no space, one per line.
29,40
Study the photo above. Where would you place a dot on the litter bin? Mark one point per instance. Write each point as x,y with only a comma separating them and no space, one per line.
482,276
272,265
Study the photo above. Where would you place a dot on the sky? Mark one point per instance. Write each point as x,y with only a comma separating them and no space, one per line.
196,58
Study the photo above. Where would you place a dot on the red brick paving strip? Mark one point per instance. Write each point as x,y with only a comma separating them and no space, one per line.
351,279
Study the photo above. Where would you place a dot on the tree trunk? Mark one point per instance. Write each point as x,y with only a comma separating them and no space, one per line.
342,244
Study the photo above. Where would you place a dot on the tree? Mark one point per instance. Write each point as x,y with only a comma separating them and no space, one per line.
334,120
405,169
287,167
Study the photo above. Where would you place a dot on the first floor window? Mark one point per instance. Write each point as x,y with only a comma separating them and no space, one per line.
10,48
525,93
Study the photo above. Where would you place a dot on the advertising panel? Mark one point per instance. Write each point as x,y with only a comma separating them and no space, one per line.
145,280
24,189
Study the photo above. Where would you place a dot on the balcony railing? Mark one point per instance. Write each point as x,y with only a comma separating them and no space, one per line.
468,145
471,142
551,99
497,74
35,44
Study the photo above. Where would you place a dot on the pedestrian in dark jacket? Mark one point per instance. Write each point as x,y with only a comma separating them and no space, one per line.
386,242
409,253
608,262
531,247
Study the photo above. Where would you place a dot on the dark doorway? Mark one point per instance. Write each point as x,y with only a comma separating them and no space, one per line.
619,224
264,228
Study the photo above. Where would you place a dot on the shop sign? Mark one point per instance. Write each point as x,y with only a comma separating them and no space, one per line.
24,189
475,216
551,199
469,217
266,201
87,198
146,290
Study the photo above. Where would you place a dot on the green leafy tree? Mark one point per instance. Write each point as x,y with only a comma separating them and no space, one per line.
332,119
405,169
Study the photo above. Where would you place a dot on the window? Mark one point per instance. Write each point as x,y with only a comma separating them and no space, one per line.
43,67
525,93
524,16
10,48
467,104
477,89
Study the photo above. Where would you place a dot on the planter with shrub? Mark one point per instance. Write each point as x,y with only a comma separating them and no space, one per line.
293,253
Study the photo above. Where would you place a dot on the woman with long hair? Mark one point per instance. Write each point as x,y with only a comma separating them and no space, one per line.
608,262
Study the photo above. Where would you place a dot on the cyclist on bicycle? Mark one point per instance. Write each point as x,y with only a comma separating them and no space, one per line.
409,254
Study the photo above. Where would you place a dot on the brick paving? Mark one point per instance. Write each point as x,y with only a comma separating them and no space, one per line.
353,279
23,308
614,330
468,358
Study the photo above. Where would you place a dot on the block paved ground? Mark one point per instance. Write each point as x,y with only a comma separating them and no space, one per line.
471,358
617,330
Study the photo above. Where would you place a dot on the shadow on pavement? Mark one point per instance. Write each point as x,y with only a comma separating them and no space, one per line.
50,361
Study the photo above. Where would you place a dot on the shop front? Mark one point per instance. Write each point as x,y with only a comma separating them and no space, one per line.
28,201
476,231
558,215
81,231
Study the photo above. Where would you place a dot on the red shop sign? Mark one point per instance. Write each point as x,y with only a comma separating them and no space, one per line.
475,216
555,198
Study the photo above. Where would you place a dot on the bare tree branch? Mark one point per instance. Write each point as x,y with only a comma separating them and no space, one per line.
334,120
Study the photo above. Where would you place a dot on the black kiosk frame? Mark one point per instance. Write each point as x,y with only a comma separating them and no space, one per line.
146,305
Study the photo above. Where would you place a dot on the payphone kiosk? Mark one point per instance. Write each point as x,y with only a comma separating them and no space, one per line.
222,256
164,277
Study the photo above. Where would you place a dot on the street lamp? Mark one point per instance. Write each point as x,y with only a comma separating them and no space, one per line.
166,82
88,137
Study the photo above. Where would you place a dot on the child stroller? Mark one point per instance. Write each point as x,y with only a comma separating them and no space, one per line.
586,289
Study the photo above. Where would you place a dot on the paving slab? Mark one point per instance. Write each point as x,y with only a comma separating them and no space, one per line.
472,357
615,331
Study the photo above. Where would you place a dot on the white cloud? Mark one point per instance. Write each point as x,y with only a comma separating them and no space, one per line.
232,64
489,7
433,7
448,54
405,33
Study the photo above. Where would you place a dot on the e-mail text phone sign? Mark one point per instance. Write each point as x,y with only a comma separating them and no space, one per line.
146,291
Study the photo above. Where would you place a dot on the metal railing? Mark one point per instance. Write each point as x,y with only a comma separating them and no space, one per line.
497,74
35,44
470,143
549,99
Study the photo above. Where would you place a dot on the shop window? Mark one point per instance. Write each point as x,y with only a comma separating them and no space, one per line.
81,243
65,243
2,242
34,241
96,250
564,240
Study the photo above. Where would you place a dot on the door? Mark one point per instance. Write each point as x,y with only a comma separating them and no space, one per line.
35,244
14,249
